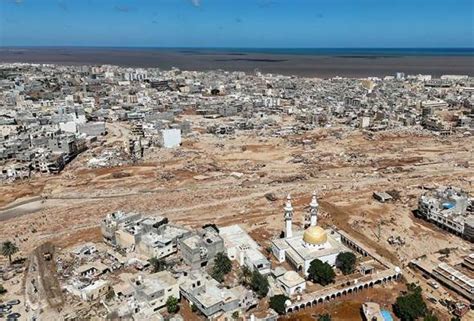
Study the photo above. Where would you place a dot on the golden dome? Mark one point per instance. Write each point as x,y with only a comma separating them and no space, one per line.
315,235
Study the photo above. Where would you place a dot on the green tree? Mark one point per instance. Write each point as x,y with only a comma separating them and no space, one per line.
222,266
158,265
235,315
345,261
277,303
223,263
259,284
321,272
8,249
172,305
410,306
324,317
2,290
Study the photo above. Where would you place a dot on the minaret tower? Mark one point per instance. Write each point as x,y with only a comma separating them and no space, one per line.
288,217
313,211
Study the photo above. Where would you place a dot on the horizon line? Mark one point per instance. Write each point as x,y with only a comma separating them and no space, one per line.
224,47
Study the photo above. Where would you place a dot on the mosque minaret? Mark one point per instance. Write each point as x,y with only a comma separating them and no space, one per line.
313,210
300,246
288,217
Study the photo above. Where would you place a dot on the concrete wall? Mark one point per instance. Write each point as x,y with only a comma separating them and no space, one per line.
124,239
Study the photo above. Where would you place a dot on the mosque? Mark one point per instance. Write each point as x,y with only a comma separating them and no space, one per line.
300,247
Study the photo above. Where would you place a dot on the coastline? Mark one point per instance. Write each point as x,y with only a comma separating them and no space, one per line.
349,63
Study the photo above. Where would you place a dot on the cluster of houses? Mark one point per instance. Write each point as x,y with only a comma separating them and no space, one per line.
44,143
132,239
49,113
146,259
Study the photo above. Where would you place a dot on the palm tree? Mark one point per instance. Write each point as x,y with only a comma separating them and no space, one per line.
8,249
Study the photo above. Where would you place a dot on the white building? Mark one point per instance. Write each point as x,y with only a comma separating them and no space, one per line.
212,298
155,289
449,207
241,247
292,283
364,122
301,247
171,138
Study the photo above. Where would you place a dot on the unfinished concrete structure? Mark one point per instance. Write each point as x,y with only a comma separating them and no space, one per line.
111,223
148,236
200,248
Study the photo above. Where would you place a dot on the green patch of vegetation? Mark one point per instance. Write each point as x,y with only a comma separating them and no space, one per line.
410,306
222,266
324,317
277,303
430,317
346,261
172,305
259,284
9,249
321,272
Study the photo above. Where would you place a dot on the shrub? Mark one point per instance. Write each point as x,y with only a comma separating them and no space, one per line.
410,306
172,305
277,303
345,261
222,266
259,284
321,272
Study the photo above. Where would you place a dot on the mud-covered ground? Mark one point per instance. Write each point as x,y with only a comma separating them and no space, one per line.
224,180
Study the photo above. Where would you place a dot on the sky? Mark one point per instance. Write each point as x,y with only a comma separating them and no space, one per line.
238,23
